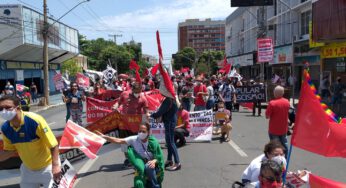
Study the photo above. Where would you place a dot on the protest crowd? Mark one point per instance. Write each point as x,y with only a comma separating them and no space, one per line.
146,111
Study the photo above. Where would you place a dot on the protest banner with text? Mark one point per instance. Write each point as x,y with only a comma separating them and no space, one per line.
68,176
97,109
251,93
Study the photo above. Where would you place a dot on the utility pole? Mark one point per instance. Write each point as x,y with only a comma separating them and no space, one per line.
115,37
45,54
261,33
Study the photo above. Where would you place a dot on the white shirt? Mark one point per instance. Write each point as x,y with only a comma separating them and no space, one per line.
227,92
140,147
210,92
253,170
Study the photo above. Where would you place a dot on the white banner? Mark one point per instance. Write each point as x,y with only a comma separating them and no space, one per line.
201,125
68,176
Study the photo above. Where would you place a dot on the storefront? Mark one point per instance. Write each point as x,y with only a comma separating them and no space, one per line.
281,64
314,62
334,65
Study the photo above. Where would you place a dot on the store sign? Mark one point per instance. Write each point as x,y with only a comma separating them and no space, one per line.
10,15
282,55
243,60
334,50
265,50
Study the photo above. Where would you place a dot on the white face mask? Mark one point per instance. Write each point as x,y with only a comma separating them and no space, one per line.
142,136
220,109
8,115
136,95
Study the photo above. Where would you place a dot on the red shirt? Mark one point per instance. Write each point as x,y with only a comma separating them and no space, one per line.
98,93
183,116
131,104
199,98
277,112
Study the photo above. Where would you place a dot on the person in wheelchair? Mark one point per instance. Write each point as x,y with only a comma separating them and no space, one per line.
222,124
145,154
182,129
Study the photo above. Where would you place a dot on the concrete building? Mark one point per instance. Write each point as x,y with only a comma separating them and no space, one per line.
241,44
202,35
21,46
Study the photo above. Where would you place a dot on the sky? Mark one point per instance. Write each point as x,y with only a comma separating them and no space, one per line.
133,19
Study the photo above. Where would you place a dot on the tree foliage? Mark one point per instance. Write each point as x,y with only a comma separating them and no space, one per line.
70,67
210,59
184,58
101,53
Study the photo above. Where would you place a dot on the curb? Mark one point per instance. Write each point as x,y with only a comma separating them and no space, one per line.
48,107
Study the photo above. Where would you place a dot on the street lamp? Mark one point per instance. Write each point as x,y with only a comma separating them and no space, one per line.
45,47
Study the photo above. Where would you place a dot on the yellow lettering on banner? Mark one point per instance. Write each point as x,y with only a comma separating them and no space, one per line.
334,50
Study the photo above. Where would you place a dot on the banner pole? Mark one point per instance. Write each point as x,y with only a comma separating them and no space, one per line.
288,163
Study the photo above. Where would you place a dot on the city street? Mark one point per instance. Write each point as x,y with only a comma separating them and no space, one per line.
203,164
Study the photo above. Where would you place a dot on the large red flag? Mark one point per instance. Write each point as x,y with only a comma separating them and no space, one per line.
134,65
166,79
75,136
314,131
320,182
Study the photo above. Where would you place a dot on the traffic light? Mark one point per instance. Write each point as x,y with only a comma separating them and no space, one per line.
248,3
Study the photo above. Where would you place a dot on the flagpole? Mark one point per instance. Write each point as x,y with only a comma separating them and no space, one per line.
288,163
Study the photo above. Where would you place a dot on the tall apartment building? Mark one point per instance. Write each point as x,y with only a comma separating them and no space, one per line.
241,44
202,35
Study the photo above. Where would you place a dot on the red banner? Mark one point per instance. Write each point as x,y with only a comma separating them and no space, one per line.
318,182
97,109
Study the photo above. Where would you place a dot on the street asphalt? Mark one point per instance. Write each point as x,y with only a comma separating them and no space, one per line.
211,164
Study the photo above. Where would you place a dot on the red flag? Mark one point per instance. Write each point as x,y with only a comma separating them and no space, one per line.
320,182
227,68
133,65
138,77
313,131
159,46
146,72
82,81
248,105
20,87
154,69
166,79
224,61
75,136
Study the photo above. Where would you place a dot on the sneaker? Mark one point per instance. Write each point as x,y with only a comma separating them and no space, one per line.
168,164
174,167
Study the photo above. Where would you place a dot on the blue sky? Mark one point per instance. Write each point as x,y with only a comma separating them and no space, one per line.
133,18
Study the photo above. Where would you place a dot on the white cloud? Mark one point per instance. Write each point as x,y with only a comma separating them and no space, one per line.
141,23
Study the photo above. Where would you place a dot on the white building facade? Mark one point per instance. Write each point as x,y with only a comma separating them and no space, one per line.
241,32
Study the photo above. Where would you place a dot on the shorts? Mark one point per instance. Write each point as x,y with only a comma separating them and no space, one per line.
35,178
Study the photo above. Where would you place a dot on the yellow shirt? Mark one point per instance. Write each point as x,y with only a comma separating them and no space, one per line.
32,140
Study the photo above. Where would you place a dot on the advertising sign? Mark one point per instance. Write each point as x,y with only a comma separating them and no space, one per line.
264,50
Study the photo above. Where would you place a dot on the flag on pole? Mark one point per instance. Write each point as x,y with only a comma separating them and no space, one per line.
134,65
166,86
20,87
75,136
316,128
319,182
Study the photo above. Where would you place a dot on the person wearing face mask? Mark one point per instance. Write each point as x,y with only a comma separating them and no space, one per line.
224,123
145,155
75,98
272,150
270,175
29,135
199,92
227,94
131,102
182,129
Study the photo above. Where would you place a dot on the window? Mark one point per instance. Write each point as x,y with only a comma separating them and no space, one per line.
305,18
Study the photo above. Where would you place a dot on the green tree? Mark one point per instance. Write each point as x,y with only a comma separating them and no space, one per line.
210,59
117,55
184,58
70,66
